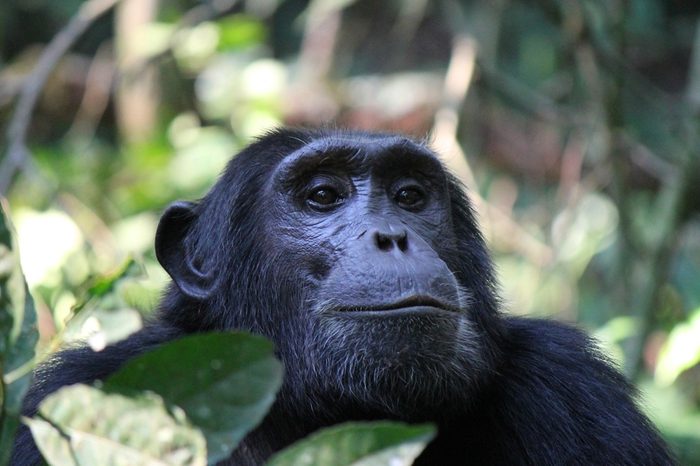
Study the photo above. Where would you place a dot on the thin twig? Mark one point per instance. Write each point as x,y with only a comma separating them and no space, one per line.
98,88
662,255
18,154
458,80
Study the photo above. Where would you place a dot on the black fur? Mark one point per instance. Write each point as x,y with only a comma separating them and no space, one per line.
502,390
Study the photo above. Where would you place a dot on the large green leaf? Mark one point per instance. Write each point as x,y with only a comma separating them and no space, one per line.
81,425
18,335
51,442
359,444
225,383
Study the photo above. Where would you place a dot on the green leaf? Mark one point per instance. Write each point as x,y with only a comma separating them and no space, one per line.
365,444
18,335
237,31
225,383
81,425
101,286
51,442
680,352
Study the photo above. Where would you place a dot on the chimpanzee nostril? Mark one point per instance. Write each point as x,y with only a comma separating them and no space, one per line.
402,242
387,241
384,243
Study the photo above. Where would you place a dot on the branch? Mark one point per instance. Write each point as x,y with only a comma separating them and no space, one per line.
18,154
681,195
458,80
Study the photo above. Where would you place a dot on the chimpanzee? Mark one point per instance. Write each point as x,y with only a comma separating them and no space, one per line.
359,255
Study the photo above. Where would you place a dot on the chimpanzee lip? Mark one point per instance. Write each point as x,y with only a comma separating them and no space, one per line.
409,304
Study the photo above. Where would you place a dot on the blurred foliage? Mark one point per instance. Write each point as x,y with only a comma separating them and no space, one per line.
579,125
18,335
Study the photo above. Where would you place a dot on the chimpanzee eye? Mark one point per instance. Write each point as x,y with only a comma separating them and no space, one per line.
409,197
324,196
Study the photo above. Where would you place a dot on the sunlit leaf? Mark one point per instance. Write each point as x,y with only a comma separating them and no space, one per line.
111,429
225,383
51,442
238,31
366,444
154,38
680,352
194,46
582,230
197,164
46,240
264,79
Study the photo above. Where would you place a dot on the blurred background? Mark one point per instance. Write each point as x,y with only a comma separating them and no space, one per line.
573,123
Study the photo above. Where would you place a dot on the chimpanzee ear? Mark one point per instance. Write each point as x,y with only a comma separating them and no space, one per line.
173,254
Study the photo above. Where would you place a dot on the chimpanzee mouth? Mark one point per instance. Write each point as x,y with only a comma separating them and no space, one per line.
409,305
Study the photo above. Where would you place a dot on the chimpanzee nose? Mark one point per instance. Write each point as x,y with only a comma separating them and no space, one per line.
390,238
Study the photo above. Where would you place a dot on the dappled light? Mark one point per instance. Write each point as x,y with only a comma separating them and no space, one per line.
573,126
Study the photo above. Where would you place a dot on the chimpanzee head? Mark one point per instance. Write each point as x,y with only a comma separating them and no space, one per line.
357,254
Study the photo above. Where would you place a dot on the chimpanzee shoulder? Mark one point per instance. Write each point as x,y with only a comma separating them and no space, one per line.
555,390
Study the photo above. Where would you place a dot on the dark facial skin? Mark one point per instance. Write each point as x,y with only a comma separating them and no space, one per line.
372,223
366,227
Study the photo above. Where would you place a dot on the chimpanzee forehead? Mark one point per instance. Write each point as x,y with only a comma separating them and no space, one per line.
367,144
357,152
